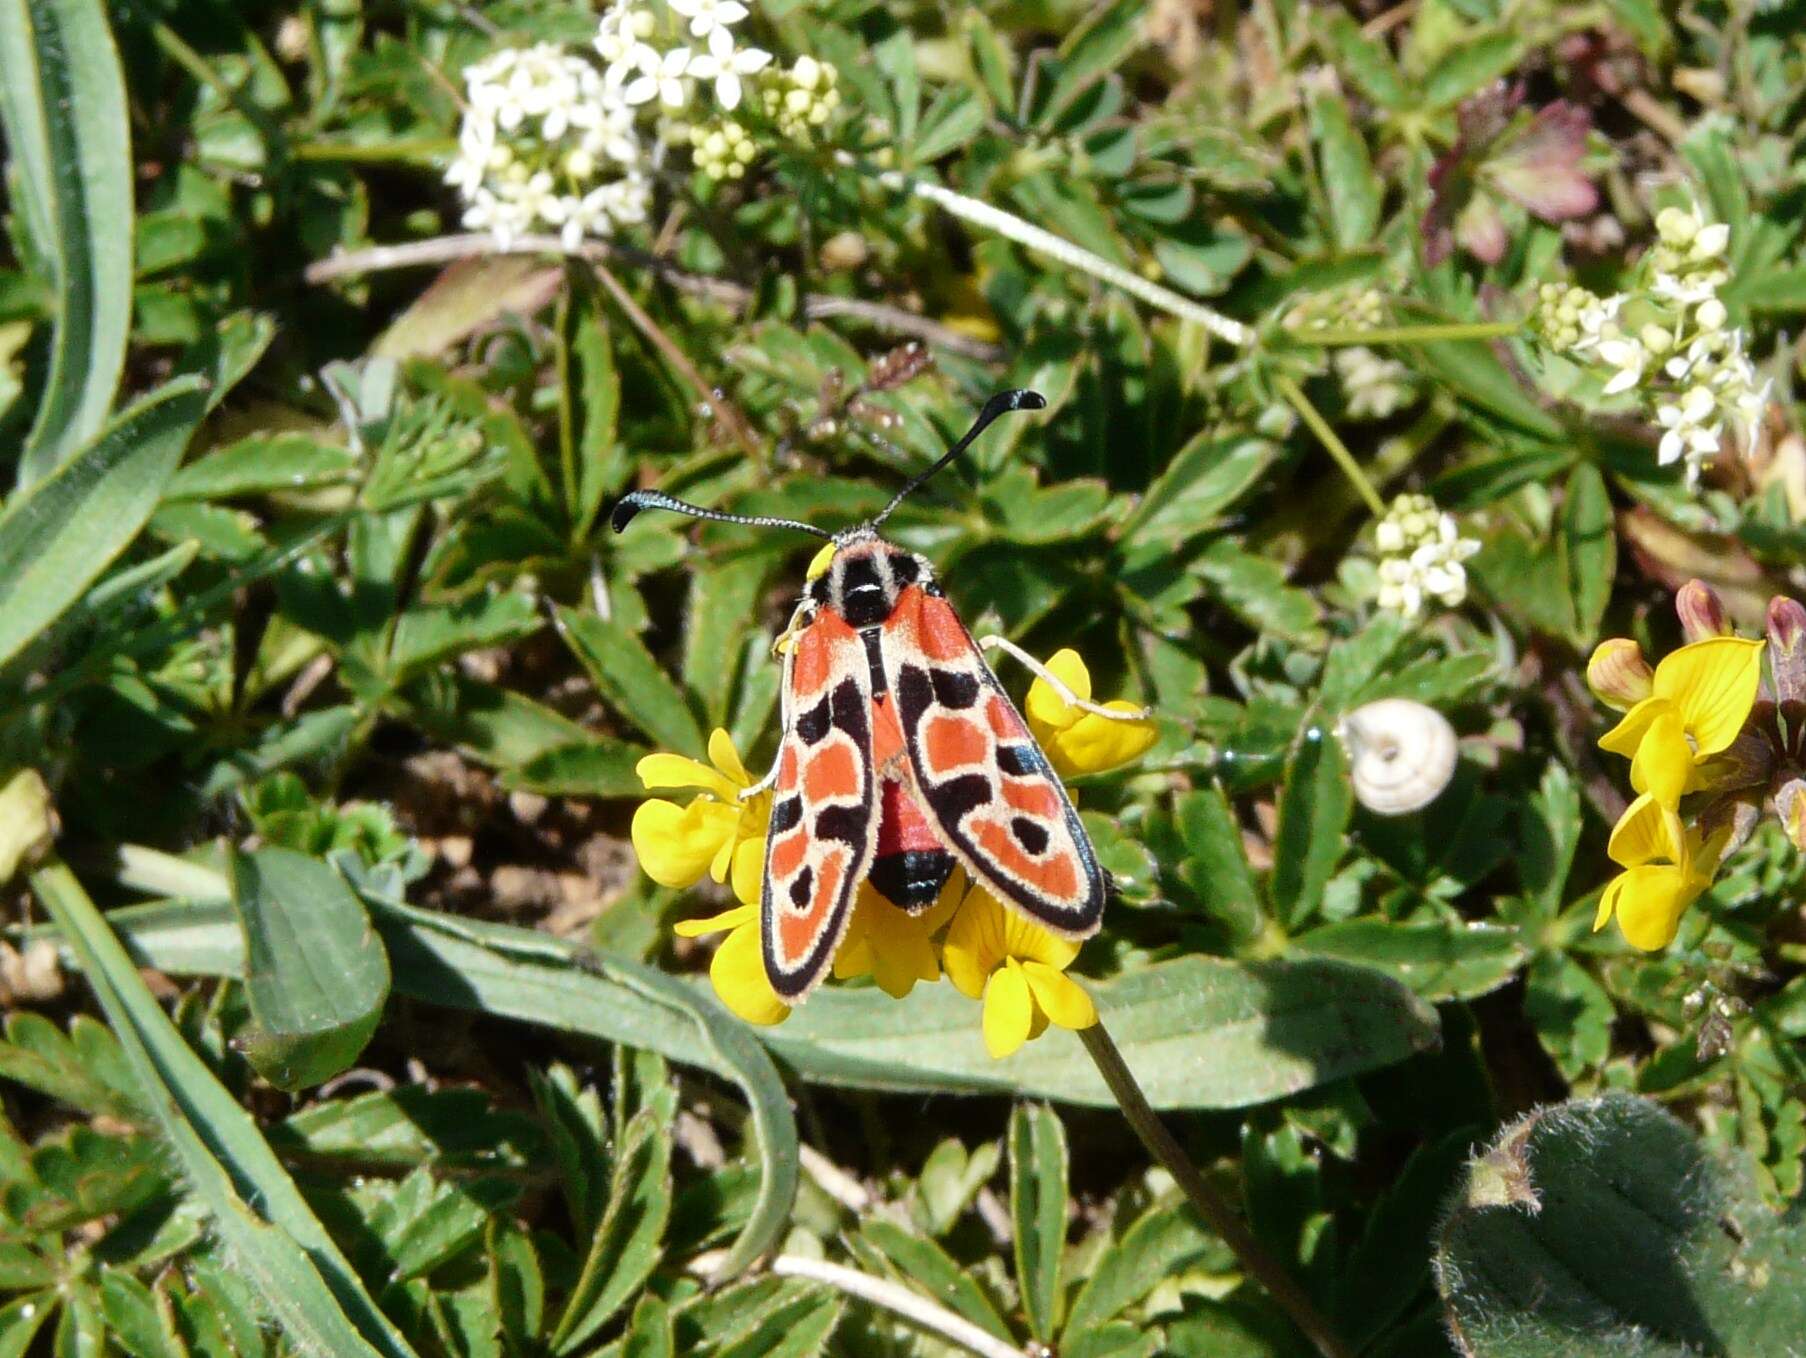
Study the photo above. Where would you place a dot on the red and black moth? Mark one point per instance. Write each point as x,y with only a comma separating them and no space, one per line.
902,757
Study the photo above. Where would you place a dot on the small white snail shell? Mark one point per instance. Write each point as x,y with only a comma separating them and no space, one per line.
1401,755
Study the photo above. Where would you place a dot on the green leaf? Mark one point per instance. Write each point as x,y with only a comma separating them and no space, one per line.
1163,1243
627,1244
63,100
1216,867
919,1261
454,1128
634,684
1603,1226
1255,588
57,537
1204,478
955,117
132,1315
261,464
1474,372
649,1332
1038,1208
316,974
1314,806
1199,1032
1094,48
1354,191
1367,60
1589,550
21,1319
278,1246
1462,69
1439,960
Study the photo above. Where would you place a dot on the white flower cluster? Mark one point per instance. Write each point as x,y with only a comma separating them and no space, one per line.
1421,551
551,140
1350,307
1376,387
1666,341
544,146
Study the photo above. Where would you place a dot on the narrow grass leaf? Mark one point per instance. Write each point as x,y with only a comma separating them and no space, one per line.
63,100
1038,1209
278,1245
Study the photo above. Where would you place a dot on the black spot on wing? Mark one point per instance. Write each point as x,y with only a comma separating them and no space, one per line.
1019,761
1029,835
849,712
847,824
955,689
786,815
812,726
953,799
914,693
802,887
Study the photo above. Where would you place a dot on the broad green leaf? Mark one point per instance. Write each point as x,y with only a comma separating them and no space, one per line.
261,464
586,768
1605,1226
723,605
316,973
426,636
21,1319
277,1244
634,683
516,1283
955,117
63,100
1038,1208
454,1128
1161,1244
132,1315
1199,1032
1439,960
1589,550
57,537
1354,191
1474,372
649,1332
1314,807
920,1261
1367,60
1093,49
800,1329
1255,588
1463,69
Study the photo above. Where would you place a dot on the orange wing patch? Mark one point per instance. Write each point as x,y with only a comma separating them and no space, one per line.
980,775
824,806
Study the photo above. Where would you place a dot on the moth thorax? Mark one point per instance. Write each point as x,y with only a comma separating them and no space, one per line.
865,580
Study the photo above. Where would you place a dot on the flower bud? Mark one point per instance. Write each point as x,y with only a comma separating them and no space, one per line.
1790,806
1618,675
1701,612
1787,650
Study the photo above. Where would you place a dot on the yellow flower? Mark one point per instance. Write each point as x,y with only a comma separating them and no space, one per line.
1666,868
1699,700
892,946
737,970
1017,968
1079,742
716,833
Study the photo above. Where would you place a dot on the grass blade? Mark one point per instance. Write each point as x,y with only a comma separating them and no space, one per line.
275,1241
57,537
63,100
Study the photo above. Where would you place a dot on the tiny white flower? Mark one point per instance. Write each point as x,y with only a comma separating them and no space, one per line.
708,16
661,76
725,64
1711,314
1710,241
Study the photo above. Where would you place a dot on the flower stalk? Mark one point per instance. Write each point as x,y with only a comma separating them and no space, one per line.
1217,1214
1409,334
1332,442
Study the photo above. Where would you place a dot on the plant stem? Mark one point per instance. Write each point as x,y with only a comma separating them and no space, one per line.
1217,1213
1327,436
1408,334
1061,250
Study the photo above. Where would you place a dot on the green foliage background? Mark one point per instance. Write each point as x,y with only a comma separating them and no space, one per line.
370,1037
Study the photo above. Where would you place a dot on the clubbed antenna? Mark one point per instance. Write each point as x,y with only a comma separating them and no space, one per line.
1001,403
633,502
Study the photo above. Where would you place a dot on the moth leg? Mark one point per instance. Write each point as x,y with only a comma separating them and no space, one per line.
1067,696
782,649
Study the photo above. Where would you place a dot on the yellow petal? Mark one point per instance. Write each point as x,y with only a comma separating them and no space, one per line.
1650,903
725,757
675,843
1093,743
974,945
748,871
1060,997
1027,941
1009,1011
1045,709
1608,901
659,771
1663,764
1628,733
1646,832
738,975
714,924
1713,683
